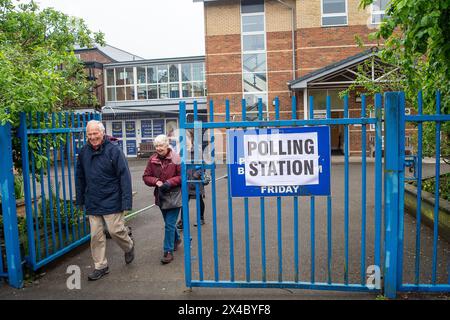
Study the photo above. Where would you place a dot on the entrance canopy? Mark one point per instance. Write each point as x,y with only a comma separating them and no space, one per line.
345,72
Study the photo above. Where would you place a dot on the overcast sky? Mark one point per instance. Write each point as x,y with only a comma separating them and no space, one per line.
147,28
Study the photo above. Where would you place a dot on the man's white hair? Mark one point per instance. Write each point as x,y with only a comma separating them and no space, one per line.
99,125
161,140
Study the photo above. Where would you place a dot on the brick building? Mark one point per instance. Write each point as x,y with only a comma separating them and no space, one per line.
273,48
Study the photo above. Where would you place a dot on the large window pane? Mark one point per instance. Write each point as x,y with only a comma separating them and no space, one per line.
186,72
197,72
320,99
111,94
173,73
153,92
252,6
333,6
253,23
255,82
334,21
255,62
120,76
151,75
198,89
253,42
174,91
129,76
187,90
163,74
140,75
110,77
129,93
380,5
142,92
120,93
163,91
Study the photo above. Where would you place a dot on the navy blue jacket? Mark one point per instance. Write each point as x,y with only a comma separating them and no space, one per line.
103,180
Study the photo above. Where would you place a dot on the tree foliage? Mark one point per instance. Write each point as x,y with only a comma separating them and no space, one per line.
39,71
416,38
38,68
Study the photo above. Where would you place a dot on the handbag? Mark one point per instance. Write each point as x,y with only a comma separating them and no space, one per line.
206,178
171,199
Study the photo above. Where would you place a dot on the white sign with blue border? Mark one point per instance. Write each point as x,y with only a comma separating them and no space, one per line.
279,161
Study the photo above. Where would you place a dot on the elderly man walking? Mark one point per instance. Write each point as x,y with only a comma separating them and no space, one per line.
103,186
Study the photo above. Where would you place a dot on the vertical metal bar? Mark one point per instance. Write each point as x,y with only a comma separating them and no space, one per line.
419,188
50,189
391,197
401,184
69,143
185,196
378,179
43,199
213,195
63,178
436,187
75,140
263,240
312,212
279,220
26,186
196,145
296,247
85,141
263,218
55,168
35,203
294,107
247,223
329,211
10,226
346,190
227,110
363,191
230,219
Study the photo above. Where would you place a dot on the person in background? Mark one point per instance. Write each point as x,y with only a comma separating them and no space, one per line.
163,172
194,174
103,187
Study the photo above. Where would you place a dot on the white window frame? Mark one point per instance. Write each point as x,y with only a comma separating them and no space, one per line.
330,15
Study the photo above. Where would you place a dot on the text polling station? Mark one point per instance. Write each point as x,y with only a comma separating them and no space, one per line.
279,161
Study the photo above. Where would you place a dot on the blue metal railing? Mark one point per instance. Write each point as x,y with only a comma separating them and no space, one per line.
420,281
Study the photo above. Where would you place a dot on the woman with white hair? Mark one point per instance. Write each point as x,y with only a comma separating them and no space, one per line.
163,172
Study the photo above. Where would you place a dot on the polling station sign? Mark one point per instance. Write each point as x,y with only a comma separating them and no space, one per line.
279,161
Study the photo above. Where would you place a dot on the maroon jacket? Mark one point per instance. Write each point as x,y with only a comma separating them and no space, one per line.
164,170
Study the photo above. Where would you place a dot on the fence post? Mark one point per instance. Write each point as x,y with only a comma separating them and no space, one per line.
11,230
392,168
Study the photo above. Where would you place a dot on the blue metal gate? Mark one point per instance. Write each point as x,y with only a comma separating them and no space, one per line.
54,224
262,242
430,261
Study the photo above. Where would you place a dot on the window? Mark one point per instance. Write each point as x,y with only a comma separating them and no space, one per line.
147,82
379,10
254,56
320,99
334,12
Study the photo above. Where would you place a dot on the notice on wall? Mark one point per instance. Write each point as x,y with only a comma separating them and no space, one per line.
117,129
279,162
130,129
146,129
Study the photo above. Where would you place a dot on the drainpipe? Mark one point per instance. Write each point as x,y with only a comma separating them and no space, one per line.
293,35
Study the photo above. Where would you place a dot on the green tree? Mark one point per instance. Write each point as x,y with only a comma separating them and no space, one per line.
38,68
416,38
